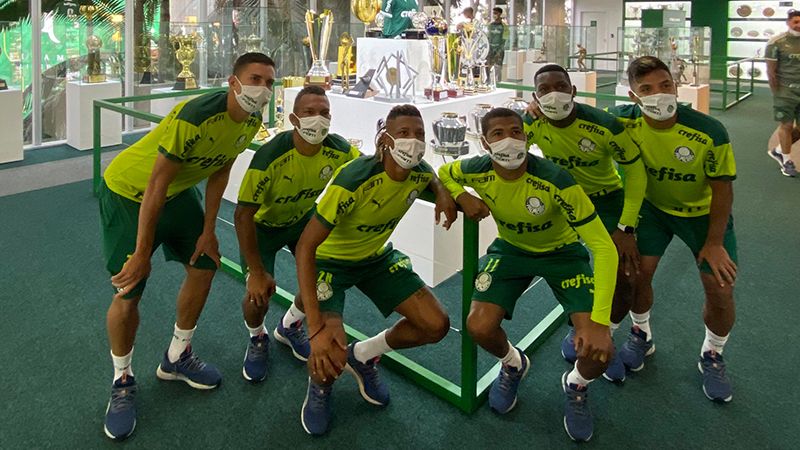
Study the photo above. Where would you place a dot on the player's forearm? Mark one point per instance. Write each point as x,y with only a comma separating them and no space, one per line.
155,195
306,280
605,268
246,234
453,187
772,74
719,211
635,186
214,190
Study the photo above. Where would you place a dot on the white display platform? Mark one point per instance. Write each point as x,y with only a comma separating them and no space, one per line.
513,61
698,96
80,99
417,52
356,118
621,91
162,106
585,82
11,122
529,70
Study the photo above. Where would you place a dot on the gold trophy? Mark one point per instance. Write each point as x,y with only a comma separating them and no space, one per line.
366,11
467,58
319,36
94,71
345,60
252,43
185,51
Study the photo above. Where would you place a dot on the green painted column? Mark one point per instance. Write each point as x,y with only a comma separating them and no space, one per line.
714,14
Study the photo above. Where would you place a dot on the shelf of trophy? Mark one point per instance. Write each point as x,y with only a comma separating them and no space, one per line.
80,100
11,123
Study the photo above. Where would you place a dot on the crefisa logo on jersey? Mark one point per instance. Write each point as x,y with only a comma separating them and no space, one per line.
534,205
684,154
586,145
325,172
483,281
412,196
324,291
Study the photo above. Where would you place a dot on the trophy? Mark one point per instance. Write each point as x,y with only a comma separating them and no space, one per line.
116,38
437,32
320,38
696,42
453,49
252,43
581,53
481,54
475,117
517,104
419,21
94,71
345,60
467,58
185,50
390,78
366,11
450,132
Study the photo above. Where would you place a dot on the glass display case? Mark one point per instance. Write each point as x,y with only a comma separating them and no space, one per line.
551,43
687,51
94,48
751,24
13,73
633,10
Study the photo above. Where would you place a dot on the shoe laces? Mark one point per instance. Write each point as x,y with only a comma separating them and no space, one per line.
577,401
509,377
296,334
319,397
191,362
257,351
714,366
122,398
369,369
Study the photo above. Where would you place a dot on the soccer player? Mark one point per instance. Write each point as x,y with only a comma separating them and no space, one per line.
397,16
344,245
149,198
538,207
586,141
276,200
690,169
783,72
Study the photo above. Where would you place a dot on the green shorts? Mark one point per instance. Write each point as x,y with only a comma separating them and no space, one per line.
272,239
609,208
786,104
506,271
179,226
387,279
656,229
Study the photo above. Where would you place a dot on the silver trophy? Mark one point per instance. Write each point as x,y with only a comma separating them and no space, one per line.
481,53
396,79
475,116
450,132
517,104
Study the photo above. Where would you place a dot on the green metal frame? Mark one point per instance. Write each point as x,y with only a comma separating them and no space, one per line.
472,390
740,93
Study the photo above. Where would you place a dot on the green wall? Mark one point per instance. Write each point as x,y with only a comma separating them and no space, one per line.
714,14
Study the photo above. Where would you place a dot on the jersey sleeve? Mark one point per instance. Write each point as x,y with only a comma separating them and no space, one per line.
605,256
623,149
353,153
336,202
634,189
771,51
453,178
575,205
255,186
720,163
386,9
529,127
179,139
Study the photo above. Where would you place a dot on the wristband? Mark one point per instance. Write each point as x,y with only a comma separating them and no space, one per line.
626,229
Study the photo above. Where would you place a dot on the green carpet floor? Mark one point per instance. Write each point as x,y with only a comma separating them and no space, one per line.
54,294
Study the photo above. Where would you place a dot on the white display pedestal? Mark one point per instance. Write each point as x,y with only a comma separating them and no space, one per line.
529,69
698,96
585,82
622,91
162,106
417,53
356,118
11,122
513,61
80,99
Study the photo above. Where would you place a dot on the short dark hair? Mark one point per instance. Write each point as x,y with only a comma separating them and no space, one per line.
644,65
792,13
308,90
551,68
403,110
251,58
497,10
497,113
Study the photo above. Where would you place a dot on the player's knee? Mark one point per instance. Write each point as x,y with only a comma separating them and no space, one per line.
479,327
719,298
436,327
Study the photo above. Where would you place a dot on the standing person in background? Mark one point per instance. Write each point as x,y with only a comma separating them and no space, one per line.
397,16
497,40
783,71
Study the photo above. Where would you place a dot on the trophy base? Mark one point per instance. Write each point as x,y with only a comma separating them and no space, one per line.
3,85
183,84
435,94
483,89
453,150
413,34
374,33
454,93
384,99
469,91
98,78
147,78
323,82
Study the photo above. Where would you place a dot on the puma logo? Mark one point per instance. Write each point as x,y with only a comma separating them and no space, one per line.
490,198
287,177
372,200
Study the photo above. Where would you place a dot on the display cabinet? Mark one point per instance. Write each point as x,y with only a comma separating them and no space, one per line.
633,10
685,50
14,56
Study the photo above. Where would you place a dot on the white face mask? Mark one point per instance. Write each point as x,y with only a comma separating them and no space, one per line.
509,152
252,98
794,33
556,105
313,129
659,106
407,153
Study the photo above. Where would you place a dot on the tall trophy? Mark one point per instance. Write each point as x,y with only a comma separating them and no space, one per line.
252,43
366,11
185,51
436,29
319,36
345,60
696,44
94,70
467,58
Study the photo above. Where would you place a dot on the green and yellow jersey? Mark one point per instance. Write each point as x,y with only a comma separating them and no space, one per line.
362,206
681,160
397,16
199,133
587,149
540,212
284,184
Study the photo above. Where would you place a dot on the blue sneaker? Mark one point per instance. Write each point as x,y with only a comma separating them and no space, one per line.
568,346
191,369
503,393
121,411
578,420
255,365
635,349
787,167
366,374
716,384
615,372
316,413
295,337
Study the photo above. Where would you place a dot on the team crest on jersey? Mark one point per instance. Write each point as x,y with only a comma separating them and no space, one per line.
586,145
325,173
240,140
535,206
324,291
483,281
684,154
412,196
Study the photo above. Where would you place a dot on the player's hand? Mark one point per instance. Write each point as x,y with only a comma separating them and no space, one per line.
533,110
206,245
326,360
135,269
629,257
473,207
594,341
260,287
446,205
723,268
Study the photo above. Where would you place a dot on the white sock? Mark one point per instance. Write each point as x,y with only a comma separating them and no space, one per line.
512,358
576,378
713,342
786,157
643,322
293,315
180,340
122,365
254,331
613,327
371,348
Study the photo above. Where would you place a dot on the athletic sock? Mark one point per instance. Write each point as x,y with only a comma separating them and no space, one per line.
613,327
577,379
254,331
180,340
643,322
512,358
293,315
786,157
713,342
122,364
371,348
